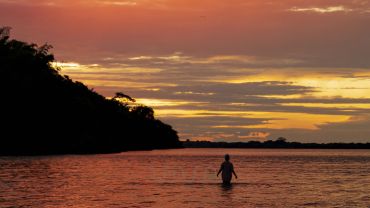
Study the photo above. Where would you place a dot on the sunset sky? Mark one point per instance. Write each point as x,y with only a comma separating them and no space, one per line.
220,70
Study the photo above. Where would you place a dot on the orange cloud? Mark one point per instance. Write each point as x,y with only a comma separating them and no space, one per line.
322,10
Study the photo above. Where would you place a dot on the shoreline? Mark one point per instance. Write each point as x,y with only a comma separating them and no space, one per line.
278,144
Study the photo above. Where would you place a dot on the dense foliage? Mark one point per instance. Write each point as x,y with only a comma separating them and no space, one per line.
43,112
279,143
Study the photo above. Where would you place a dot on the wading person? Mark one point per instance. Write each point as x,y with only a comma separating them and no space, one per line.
227,170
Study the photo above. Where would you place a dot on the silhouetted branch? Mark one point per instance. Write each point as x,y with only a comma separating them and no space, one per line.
124,96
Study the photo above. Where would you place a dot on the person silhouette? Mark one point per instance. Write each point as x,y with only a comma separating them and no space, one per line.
227,170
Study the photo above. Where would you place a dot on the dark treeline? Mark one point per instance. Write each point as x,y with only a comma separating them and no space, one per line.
279,143
44,112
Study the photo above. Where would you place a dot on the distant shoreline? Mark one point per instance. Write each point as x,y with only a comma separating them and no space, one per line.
278,144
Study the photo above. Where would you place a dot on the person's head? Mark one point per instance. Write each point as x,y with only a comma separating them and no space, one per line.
227,157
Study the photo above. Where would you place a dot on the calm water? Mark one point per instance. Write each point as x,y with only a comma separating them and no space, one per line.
187,178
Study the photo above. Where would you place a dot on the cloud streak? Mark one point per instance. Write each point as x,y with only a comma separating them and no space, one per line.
223,108
321,10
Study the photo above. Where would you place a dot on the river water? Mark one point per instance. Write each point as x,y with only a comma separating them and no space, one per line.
187,178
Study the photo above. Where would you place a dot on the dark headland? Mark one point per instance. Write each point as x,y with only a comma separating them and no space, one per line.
43,112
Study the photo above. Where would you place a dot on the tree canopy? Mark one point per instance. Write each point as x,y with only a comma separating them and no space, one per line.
44,112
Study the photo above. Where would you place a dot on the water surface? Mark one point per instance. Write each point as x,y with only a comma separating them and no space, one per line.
187,178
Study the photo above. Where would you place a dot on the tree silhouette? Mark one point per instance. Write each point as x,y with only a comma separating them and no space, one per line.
43,112
281,140
144,112
4,33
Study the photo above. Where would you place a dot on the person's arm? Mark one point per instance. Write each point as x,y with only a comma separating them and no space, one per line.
219,170
234,173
